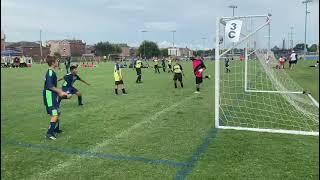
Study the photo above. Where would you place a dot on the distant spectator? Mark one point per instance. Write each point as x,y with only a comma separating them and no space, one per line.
292,60
281,62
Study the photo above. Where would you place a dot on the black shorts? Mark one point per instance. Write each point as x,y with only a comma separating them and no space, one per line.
199,80
118,82
69,90
293,62
52,102
177,76
138,71
169,66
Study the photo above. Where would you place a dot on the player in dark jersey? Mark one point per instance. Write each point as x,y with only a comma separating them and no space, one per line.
51,98
69,79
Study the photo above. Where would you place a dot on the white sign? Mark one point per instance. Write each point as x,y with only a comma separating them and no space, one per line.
233,29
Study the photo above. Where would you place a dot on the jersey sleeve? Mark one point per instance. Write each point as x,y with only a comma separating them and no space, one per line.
181,67
78,77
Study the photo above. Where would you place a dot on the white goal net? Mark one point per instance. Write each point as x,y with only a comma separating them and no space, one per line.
252,93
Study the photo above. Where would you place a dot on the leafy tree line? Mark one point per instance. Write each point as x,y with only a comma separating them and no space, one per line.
106,48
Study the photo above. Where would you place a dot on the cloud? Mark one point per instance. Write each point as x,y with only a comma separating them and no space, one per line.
161,26
121,21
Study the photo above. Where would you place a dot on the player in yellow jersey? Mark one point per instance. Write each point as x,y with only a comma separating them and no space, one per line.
138,69
178,73
118,78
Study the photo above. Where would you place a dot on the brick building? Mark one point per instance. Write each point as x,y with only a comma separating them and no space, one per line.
29,49
180,52
67,47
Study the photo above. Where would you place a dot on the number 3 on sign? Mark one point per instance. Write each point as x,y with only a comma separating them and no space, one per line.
233,29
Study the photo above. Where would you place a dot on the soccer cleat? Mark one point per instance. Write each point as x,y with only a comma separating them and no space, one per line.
125,94
197,92
51,137
81,104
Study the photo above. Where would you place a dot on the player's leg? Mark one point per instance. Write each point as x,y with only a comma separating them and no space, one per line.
53,121
116,87
180,79
140,74
57,128
175,80
78,93
121,86
198,82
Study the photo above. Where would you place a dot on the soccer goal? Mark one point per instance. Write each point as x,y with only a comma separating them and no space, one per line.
251,92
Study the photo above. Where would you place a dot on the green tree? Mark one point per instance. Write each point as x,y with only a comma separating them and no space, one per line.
299,47
106,48
164,52
57,54
149,49
313,48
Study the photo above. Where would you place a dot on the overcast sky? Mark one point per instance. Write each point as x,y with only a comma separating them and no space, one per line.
122,21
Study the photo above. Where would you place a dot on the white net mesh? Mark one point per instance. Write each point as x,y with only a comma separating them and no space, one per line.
263,97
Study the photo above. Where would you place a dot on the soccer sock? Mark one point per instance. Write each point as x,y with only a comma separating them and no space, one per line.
198,89
181,84
175,85
116,91
80,99
123,91
51,128
57,125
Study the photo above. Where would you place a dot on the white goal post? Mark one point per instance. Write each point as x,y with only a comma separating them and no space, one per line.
254,95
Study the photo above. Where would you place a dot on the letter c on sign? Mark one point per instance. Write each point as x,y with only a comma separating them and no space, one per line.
231,34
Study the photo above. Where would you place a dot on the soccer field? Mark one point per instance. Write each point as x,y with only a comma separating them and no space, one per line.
155,132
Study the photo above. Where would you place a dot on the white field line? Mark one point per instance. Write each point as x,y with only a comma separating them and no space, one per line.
63,166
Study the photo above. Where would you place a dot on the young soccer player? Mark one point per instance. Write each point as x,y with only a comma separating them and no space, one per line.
178,73
69,79
51,97
198,69
281,62
226,64
67,63
169,65
293,60
163,63
138,69
156,66
118,78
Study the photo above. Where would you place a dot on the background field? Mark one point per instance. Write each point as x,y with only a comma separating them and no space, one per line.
156,132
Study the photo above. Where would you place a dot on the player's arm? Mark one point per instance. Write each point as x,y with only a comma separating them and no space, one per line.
84,82
50,85
181,69
61,79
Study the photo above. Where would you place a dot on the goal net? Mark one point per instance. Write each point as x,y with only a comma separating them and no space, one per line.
252,92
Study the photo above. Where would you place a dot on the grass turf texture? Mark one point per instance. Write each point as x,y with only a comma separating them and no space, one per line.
154,122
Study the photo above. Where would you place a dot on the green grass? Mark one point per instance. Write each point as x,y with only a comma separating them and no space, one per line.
155,121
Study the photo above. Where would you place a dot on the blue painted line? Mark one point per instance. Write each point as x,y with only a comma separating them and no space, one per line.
96,155
186,170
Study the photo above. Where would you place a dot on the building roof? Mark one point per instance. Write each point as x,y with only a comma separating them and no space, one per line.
66,40
23,44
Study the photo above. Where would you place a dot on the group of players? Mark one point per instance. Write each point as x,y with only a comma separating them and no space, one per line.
52,95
